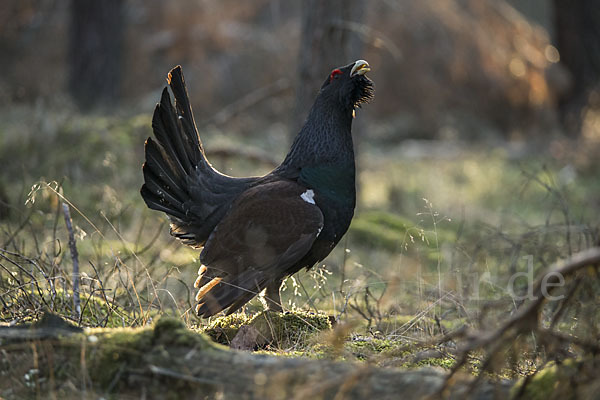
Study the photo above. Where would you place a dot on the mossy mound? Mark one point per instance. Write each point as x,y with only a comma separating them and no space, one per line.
291,329
106,360
295,334
393,232
223,329
380,230
280,330
114,350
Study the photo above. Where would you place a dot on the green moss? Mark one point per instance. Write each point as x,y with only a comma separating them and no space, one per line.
110,352
364,347
382,350
393,232
442,362
370,344
552,382
223,329
371,232
115,350
282,330
173,332
391,221
290,329
316,351
400,323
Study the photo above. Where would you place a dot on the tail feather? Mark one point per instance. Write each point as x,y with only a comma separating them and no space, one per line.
173,157
156,203
154,186
184,109
164,124
161,190
156,162
179,180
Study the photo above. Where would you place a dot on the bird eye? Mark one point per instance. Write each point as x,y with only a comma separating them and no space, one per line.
334,73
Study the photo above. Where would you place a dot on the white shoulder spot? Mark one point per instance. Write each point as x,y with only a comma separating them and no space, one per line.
308,196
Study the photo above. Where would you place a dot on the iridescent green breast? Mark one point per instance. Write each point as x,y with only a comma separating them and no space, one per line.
334,182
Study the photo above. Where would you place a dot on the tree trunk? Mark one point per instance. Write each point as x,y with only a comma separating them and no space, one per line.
95,51
577,31
328,40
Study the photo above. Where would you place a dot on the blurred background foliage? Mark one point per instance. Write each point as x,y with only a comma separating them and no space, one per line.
446,69
478,154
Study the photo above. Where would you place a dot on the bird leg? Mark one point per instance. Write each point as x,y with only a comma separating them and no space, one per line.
272,296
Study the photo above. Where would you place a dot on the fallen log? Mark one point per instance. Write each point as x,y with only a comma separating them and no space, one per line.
171,361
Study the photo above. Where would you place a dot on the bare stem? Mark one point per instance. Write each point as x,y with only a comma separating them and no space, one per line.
74,257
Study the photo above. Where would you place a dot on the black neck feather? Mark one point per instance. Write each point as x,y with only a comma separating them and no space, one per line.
325,139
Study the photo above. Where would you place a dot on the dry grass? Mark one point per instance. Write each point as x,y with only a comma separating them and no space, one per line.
405,286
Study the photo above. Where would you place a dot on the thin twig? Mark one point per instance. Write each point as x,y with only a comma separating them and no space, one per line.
75,258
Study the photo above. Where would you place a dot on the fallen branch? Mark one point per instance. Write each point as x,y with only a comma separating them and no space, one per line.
169,360
50,326
527,318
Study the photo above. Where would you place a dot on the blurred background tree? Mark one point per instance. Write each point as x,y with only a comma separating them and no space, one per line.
95,51
577,32
328,39
452,69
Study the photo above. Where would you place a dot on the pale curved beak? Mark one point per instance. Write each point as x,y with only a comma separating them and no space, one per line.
360,67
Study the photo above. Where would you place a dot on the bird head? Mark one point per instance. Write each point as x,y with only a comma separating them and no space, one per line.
349,85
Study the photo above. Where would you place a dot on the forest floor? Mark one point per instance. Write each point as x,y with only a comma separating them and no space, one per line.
447,239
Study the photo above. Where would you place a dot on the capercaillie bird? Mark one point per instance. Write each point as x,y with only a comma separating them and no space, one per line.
257,231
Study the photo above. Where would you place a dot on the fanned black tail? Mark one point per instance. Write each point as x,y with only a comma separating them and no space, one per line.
177,152
178,178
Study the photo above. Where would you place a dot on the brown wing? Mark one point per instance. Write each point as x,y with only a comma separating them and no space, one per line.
268,229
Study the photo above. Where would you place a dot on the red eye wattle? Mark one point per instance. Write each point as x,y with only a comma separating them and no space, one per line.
334,73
